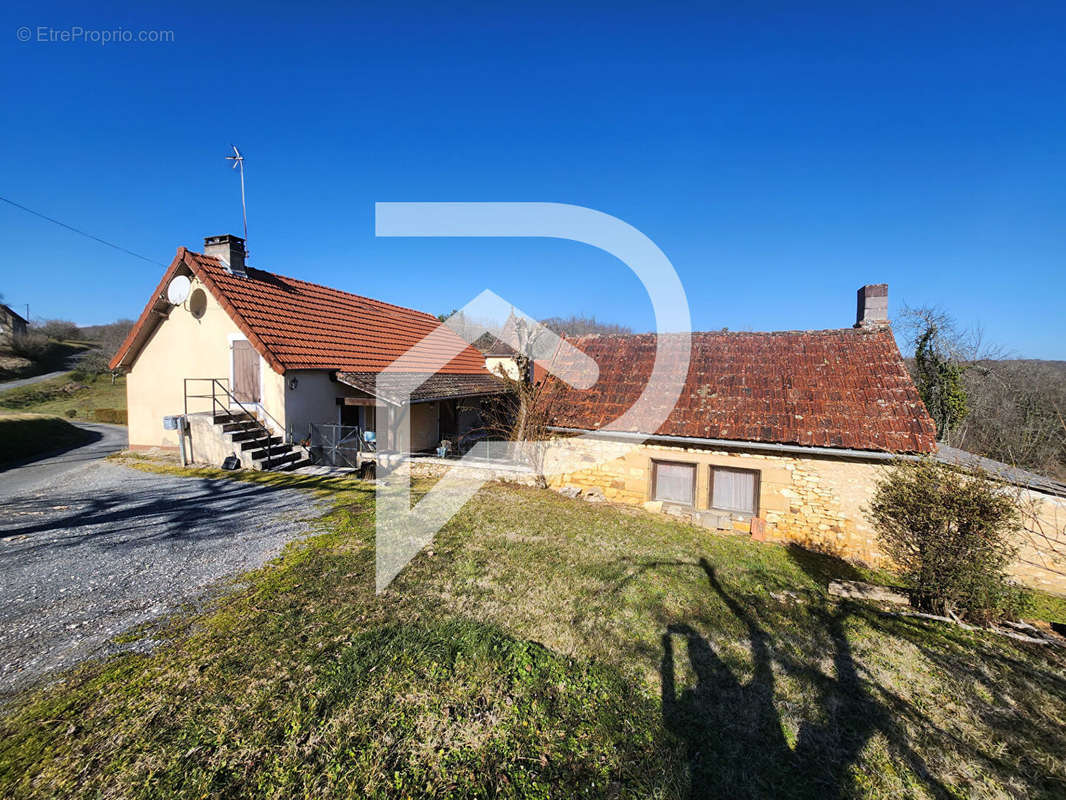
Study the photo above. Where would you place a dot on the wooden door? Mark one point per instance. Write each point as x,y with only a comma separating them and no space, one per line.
245,372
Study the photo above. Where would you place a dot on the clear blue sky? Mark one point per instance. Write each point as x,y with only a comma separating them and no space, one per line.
781,157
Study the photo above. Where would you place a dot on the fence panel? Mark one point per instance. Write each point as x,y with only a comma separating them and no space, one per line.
337,445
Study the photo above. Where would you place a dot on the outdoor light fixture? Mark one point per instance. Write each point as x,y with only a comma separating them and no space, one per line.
293,383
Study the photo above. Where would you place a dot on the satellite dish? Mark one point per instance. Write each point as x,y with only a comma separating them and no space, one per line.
178,290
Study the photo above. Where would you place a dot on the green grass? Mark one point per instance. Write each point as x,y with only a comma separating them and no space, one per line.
544,647
26,436
1047,607
67,396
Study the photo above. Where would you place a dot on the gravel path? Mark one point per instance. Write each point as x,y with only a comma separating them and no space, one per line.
108,547
44,471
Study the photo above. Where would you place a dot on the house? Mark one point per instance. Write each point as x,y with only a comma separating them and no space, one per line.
500,357
12,324
257,362
777,435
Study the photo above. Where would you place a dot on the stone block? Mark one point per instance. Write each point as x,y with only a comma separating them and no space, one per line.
857,590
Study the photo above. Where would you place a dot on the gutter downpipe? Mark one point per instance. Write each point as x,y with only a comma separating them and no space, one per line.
734,444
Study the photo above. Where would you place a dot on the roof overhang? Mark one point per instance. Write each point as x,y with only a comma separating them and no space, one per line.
430,387
158,308
736,444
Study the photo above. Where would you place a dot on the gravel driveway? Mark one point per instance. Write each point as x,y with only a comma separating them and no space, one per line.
108,547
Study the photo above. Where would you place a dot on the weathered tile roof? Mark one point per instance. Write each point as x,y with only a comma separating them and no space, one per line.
836,388
997,469
299,325
432,387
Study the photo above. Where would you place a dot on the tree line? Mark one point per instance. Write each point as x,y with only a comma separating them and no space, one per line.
1010,410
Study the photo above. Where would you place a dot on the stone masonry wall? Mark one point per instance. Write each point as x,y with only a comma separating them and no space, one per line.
815,502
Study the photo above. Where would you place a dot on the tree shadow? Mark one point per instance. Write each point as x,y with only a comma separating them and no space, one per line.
821,567
736,743
73,447
146,511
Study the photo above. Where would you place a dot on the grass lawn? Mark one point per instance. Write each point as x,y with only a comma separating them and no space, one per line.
82,399
545,647
27,435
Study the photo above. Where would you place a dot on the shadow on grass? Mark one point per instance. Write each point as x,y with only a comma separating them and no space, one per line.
1015,690
736,743
822,568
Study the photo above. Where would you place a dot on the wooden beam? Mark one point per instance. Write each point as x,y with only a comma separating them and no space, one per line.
356,401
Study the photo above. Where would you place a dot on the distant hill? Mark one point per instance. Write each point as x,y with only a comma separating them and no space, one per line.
1017,413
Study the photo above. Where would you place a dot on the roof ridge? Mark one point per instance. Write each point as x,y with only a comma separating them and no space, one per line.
318,286
793,331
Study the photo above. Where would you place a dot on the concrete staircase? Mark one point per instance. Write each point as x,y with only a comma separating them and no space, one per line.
256,445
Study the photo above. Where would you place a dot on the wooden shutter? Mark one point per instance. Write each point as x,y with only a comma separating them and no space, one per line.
674,483
734,489
245,372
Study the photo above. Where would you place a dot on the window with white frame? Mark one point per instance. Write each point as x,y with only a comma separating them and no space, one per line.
673,482
735,490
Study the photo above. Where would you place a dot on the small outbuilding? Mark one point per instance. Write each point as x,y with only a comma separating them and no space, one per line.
12,324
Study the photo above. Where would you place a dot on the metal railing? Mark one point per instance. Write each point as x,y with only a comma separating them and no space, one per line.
222,404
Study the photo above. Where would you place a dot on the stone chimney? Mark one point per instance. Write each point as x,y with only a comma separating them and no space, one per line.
229,249
872,311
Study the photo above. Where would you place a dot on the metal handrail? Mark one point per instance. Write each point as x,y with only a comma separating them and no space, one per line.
216,403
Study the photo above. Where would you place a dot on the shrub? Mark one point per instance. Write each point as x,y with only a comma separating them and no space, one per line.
90,365
116,416
950,533
33,345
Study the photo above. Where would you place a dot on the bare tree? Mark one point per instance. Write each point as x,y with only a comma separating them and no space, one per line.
522,413
576,325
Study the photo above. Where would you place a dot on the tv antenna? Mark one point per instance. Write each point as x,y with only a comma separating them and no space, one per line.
238,163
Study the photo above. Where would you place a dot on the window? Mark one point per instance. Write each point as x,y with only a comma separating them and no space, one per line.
673,482
735,490
198,303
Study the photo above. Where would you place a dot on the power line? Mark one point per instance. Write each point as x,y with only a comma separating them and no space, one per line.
80,232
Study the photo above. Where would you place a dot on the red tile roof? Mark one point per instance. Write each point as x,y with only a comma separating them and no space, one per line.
299,325
837,388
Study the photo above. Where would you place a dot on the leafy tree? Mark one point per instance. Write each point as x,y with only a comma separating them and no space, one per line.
939,382
942,354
